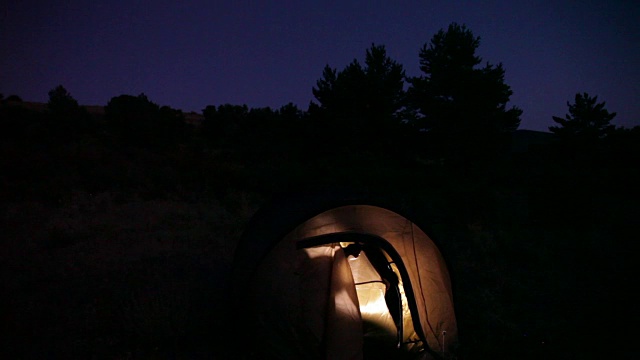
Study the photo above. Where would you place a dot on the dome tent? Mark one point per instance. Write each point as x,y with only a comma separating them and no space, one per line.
341,276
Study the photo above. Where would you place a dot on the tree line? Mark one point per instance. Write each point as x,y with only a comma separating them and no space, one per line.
456,111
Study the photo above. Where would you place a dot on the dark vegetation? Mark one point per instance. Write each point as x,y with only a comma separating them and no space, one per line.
118,227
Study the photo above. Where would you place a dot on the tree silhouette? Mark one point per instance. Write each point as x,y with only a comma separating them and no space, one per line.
68,119
130,117
13,98
19,123
224,122
137,120
587,119
61,101
290,114
361,100
462,107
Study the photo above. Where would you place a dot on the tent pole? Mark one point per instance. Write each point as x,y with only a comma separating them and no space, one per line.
444,333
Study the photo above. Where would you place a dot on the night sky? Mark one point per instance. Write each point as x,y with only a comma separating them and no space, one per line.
191,54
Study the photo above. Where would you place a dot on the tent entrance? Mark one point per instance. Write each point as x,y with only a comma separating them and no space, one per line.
379,299
382,299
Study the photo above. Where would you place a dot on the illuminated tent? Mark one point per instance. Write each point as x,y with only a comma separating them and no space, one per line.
320,279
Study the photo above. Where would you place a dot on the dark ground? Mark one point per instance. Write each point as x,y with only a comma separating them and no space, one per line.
120,251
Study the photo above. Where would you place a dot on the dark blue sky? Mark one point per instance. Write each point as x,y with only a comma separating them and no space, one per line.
190,54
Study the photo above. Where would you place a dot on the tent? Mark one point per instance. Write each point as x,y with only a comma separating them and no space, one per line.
341,277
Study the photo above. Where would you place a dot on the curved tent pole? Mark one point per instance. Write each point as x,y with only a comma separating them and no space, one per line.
370,239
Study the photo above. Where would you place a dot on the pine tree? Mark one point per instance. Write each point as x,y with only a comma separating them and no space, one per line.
461,107
361,99
587,120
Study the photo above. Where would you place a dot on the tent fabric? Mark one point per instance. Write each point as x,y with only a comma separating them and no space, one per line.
308,302
344,319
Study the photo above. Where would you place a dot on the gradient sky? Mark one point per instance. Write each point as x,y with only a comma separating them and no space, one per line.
190,54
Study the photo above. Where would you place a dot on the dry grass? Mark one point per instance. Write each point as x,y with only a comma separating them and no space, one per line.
97,278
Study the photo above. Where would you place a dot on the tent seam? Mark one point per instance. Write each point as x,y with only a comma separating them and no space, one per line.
426,309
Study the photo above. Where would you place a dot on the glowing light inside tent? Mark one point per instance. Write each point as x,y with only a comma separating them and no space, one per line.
370,289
